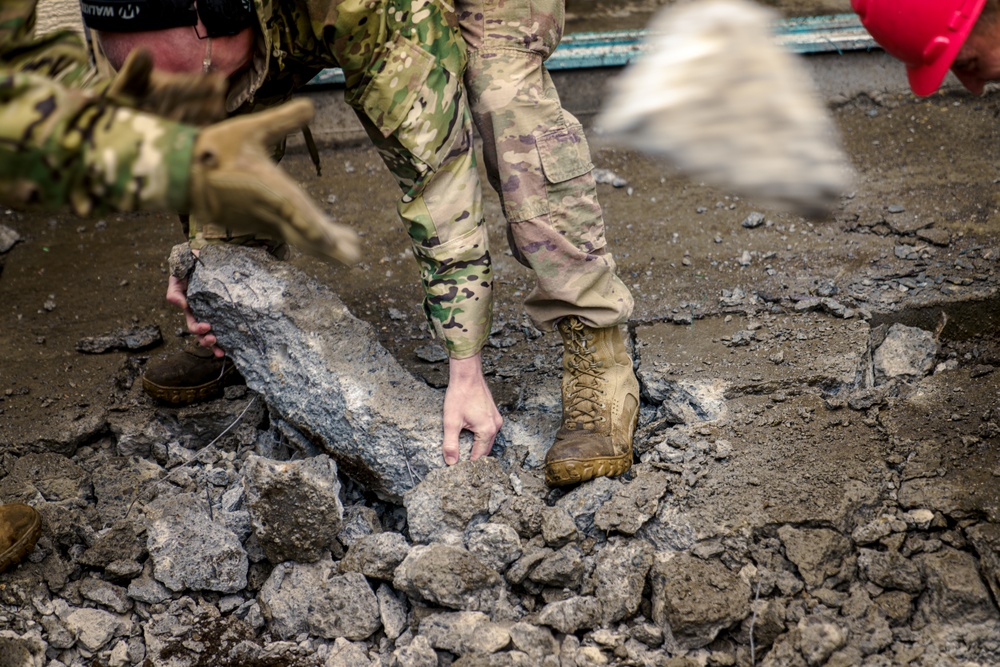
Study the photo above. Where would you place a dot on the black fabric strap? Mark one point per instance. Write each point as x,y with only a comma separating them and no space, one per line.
220,17
138,15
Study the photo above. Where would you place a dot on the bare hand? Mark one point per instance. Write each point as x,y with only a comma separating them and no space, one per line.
469,406
177,295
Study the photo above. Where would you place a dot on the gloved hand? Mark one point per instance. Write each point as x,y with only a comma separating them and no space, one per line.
194,99
235,183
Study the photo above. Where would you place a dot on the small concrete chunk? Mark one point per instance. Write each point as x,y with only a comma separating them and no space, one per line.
985,537
294,506
26,650
633,504
94,628
536,641
696,599
376,556
8,238
345,607
120,542
464,632
561,569
359,521
583,502
134,339
819,637
905,352
519,571
619,577
818,553
346,653
106,594
495,544
191,550
441,506
54,476
955,591
391,610
571,615
312,598
558,527
890,569
448,576
418,653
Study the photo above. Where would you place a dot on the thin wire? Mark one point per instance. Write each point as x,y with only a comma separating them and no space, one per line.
194,459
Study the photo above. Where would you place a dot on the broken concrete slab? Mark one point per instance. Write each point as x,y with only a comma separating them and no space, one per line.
320,368
834,450
951,470
294,506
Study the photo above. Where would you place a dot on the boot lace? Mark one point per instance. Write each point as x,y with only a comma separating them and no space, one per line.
585,393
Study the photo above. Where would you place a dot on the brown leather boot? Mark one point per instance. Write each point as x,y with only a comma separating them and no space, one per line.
600,395
20,527
193,375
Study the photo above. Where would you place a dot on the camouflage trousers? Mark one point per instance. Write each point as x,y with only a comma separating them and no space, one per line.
538,160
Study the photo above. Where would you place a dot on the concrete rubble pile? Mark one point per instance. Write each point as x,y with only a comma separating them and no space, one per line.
306,519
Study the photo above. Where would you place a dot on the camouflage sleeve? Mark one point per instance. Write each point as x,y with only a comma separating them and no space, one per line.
404,79
63,147
58,55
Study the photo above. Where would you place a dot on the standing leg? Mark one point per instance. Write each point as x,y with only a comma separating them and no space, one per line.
539,162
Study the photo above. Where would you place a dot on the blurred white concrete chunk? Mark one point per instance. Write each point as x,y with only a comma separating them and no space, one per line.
723,103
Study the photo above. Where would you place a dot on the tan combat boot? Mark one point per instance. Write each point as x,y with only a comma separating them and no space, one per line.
600,395
20,527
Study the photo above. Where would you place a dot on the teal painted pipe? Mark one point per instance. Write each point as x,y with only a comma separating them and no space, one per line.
813,34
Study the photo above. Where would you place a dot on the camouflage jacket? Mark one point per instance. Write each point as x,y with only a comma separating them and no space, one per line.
64,144
403,63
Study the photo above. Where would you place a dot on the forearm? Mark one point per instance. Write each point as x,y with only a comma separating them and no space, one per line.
60,55
458,287
68,147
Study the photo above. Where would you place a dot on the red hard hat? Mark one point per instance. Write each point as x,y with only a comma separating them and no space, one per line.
925,34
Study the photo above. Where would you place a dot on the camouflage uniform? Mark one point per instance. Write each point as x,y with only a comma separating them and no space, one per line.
538,161
63,146
403,63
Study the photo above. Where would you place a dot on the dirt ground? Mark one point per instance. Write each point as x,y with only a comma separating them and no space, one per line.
677,243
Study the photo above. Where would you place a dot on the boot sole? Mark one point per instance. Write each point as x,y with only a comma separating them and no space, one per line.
189,395
575,471
23,546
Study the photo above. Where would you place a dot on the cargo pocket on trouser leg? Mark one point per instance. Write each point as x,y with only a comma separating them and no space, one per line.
571,193
566,245
458,286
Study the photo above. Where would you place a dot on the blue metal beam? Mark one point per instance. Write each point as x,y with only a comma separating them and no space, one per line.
814,34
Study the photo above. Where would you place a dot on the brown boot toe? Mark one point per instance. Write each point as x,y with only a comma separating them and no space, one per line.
20,528
575,462
191,376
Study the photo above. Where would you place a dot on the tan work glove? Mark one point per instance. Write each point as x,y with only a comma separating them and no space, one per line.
193,99
235,183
